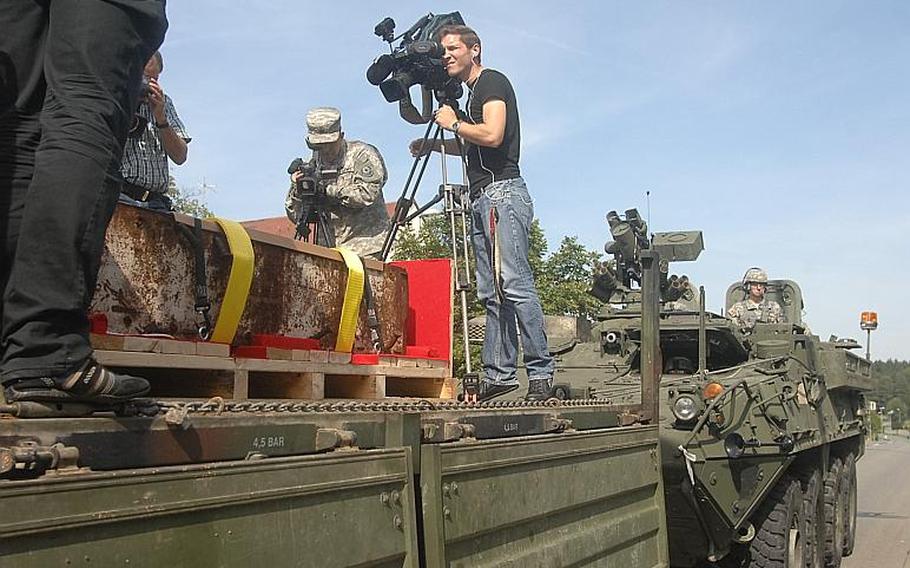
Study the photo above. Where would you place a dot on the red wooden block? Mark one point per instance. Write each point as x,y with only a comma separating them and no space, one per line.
250,351
97,322
429,304
422,352
365,359
285,342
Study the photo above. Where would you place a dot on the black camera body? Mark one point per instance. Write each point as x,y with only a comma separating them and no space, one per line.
418,59
312,180
311,192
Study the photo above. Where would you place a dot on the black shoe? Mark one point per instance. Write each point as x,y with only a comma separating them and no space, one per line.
539,389
490,390
91,383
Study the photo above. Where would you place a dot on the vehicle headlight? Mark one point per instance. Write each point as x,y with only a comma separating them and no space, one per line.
685,408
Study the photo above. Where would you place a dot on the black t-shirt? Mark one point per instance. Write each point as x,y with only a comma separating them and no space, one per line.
486,165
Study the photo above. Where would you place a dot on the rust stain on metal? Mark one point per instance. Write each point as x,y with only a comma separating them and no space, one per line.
146,285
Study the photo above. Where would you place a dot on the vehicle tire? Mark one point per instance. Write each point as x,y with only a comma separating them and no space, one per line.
779,538
813,508
848,488
834,514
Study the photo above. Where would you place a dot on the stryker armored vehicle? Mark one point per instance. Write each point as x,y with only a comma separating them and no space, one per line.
760,429
337,470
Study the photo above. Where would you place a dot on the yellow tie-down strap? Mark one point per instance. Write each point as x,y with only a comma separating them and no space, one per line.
353,293
238,285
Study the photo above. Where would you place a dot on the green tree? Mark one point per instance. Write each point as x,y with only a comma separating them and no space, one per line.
875,425
897,404
565,278
537,250
897,410
891,381
191,201
432,240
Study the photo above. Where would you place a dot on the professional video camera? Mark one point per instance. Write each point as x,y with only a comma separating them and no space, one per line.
311,192
416,60
312,178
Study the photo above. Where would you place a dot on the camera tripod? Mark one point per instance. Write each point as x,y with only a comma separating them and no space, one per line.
456,205
314,216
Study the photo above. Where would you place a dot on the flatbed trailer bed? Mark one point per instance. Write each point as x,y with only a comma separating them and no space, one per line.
336,483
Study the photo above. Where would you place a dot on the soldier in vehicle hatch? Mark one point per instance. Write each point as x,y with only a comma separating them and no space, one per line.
755,308
350,174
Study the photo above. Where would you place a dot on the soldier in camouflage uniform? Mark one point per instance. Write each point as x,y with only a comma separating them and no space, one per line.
755,308
355,208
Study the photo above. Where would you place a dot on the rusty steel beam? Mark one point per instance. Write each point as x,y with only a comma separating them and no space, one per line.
146,283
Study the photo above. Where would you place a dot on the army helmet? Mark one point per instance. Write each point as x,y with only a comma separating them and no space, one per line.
754,274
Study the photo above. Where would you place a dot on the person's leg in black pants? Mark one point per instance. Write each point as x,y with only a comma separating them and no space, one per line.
83,61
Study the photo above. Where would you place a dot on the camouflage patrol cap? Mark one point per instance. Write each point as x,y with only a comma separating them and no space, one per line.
755,274
323,124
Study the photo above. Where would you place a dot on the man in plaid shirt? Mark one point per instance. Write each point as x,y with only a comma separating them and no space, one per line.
157,134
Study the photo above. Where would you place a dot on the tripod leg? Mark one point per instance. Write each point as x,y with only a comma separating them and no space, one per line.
464,207
455,209
303,225
322,230
407,193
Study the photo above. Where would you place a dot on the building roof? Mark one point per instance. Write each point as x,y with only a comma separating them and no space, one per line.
280,226
283,227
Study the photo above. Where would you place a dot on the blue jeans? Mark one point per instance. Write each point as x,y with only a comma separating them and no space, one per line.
509,200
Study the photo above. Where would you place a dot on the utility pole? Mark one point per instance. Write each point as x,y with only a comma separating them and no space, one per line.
868,322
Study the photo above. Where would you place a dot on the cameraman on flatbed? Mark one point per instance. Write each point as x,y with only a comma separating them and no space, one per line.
501,215
352,174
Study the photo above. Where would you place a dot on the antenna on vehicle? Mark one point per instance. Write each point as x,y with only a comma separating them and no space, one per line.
702,335
648,201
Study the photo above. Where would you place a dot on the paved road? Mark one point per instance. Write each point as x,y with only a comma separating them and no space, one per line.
883,504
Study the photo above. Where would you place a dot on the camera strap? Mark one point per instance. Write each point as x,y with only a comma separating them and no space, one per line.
200,287
372,314
495,253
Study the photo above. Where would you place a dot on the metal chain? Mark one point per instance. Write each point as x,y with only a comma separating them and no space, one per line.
218,405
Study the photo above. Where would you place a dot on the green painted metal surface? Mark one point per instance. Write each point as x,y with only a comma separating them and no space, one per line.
576,499
348,508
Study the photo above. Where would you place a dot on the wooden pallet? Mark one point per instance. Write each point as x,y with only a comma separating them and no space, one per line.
176,372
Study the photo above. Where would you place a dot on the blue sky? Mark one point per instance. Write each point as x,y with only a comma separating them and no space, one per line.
780,129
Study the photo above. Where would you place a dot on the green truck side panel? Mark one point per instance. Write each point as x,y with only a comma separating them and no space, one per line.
582,499
341,509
